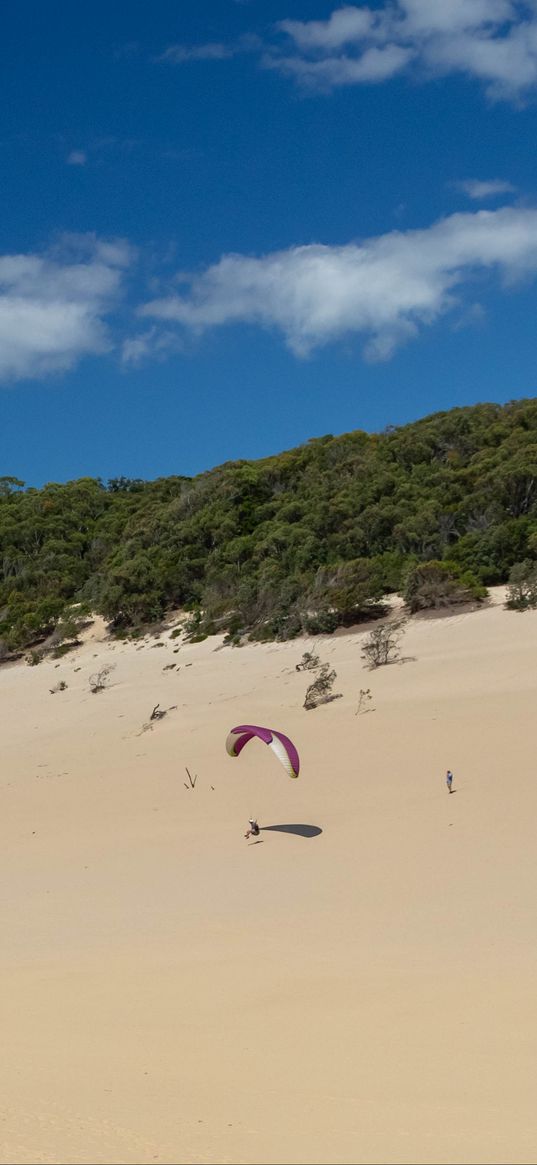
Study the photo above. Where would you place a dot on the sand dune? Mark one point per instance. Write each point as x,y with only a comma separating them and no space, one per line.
360,991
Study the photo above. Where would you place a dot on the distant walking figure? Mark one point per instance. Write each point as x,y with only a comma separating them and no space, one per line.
449,780
253,830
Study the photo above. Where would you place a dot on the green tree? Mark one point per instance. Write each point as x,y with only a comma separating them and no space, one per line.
522,589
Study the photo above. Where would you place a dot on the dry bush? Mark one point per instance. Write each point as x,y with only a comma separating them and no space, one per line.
320,691
382,645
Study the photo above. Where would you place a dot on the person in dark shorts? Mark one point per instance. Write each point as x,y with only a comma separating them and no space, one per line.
253,831
449,780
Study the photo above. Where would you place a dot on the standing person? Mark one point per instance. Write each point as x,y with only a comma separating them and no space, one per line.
449,780
253,830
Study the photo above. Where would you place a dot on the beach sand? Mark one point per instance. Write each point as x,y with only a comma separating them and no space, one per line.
173,993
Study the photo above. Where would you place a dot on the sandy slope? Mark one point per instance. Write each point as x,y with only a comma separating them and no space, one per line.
172,993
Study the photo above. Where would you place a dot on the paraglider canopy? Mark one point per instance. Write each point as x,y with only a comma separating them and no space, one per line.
283,748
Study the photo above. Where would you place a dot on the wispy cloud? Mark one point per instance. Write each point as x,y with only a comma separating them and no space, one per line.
494,41
178,54
98,150
136,349
478,190
153,344
54,306
77,158
473,316
383,289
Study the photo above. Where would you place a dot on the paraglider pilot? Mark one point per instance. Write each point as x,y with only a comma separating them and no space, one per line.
253,831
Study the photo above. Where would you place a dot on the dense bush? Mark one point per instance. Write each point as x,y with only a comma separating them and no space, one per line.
306,541
440,584
522,589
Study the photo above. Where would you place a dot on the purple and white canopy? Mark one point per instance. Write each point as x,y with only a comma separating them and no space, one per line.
283,748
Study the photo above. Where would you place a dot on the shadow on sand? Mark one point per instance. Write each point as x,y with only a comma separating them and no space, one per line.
300,830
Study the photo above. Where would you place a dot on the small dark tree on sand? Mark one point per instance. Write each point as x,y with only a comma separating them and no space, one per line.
382,645
320,691
522,589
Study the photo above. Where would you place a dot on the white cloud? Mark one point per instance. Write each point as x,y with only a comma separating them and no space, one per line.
77,158
476,189
492,40
53,306
428,17
384,288
374,65
345,26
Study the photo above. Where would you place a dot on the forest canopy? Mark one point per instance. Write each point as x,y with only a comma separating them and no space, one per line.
307,540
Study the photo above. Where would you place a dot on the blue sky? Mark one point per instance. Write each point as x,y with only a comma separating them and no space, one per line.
230,226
